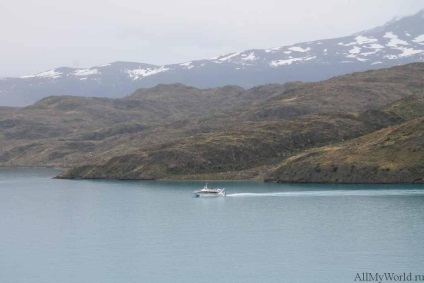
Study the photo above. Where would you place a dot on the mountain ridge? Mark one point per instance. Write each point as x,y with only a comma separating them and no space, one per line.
390,155
182,132
236,146
395,43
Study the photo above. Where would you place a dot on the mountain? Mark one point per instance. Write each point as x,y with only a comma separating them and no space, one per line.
234,145
242,152
61,130
70,131
361,91
397,42
256,150
392,155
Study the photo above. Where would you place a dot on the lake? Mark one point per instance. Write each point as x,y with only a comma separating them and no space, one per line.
141,231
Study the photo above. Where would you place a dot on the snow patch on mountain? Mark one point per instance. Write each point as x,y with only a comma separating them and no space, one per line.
408,51
369,53
394,40
390,57
375,46
355,50
274,49
86,72
227,57
52,74
363,39
299,49
141,73
359,40
277,63
249,57
187,65
419,39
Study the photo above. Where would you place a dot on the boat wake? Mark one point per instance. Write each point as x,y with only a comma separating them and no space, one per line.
333,193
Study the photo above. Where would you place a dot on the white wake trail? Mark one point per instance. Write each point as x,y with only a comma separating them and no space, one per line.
333,193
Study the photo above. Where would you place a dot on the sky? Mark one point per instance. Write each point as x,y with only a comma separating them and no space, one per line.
38,35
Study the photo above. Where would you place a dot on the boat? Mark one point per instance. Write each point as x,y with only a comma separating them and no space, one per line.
209,192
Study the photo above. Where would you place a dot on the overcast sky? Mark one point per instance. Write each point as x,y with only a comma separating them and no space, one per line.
37,35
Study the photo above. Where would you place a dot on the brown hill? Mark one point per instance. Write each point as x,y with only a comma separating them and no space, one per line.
391,155
175,131
250,145
369,90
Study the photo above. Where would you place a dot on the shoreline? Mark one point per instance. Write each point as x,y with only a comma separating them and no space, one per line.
240,180
203,180
31,167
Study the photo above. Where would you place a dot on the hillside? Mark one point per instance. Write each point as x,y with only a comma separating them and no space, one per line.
61,130
397,42
368,90
251,149
177,131
391,155
229,154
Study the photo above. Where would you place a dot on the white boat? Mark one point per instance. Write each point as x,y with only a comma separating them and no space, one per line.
208,192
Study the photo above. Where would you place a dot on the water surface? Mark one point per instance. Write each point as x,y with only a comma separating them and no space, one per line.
128,231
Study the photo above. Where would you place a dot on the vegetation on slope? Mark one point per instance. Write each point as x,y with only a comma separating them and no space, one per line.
250,145
391,155
369,90
176,131
61,126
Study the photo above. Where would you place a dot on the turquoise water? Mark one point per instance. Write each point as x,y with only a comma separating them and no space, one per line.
127,231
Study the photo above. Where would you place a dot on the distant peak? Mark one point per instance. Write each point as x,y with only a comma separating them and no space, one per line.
420,13
404,20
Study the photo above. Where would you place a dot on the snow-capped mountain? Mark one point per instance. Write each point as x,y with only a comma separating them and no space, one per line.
399,41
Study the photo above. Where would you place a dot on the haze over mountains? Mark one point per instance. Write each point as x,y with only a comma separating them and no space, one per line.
397,42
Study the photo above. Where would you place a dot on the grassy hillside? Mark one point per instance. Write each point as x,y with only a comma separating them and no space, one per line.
369,90
248,146
407,108
66,126
391,155
176,131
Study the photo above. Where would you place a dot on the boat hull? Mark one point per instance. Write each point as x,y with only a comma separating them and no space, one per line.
209,195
